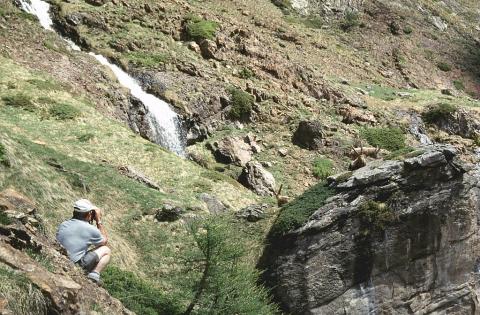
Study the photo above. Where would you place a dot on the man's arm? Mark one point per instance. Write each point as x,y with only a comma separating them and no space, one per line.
100,227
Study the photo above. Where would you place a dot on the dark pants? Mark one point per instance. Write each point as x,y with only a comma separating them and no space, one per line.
89,261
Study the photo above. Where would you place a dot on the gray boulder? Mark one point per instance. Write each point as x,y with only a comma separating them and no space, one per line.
252,213
309,135
257,178
214,205
400,237
232,150
169,213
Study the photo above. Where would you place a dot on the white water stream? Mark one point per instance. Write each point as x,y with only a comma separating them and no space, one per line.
163,121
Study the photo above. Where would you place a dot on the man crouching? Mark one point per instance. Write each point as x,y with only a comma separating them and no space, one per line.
76,235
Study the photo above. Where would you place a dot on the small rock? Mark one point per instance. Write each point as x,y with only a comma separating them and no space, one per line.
283,152
252,213
169,213
194,47
309,135
214,205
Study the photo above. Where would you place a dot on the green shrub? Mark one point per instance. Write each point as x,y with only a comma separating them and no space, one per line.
350,21
283,4
136,294
374,216
246,73
63,111
322,167
391,139
397,154
459,85
3,156
242,103
408,30
296,213
46,85
19,100
85,137
444,66
198,29
438,112
228,283
5,219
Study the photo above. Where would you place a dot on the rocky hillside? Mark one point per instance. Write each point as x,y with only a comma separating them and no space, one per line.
271,94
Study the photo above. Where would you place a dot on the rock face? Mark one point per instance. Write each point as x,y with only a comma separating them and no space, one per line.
326,7
400,237
232,150
309,135
461,122
257,178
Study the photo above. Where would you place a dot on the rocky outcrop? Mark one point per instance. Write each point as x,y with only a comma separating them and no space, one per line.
65,289
257,178
235,150
309,135
399,237
326,7
460,122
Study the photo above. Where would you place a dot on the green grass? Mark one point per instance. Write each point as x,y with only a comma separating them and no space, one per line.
20,100
397,154
146,59
246,73
23,298
46,85
86,137
391,139
322,167
242,103
3,156
296,213
438,112
137,294
63,111
198,29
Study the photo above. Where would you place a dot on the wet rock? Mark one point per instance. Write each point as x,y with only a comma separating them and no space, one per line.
255,177
399,237
214,205
169,213
252,213
309,135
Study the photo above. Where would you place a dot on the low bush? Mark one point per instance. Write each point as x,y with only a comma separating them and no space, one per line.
294,214
85,137
19,100
438,112
242,103
5,219
350,21
198,29
246,73
137,294
63,111
459,85
391,139
322,167
408,30
374,216
46,85
445,67
3,156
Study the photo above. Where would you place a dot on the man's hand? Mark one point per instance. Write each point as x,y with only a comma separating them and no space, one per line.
98,215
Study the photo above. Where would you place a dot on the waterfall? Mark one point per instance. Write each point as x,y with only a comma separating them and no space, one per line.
163,121
417,129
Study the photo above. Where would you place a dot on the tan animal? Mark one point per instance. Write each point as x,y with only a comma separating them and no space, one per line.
281,200
359,159
369,151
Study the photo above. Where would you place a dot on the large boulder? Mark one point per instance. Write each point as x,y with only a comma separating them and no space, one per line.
325,7
459,122
400,237
257,178
232,150
309,135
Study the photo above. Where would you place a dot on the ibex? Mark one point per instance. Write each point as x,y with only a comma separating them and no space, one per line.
281,200
359,156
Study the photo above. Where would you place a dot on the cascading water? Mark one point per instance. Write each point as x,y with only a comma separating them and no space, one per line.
163,121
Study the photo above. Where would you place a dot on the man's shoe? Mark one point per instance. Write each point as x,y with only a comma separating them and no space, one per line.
95,277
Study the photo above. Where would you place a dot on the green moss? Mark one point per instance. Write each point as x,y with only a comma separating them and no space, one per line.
242,104
198,29
445,67
296,213
374,216
137,294
391,139
438,112
19,100
63,111
322,167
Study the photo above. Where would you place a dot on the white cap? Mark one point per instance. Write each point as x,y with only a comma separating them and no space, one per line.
83,205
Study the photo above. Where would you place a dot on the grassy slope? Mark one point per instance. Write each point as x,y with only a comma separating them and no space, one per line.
90,148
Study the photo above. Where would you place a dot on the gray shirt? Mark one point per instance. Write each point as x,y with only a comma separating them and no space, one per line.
76,236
